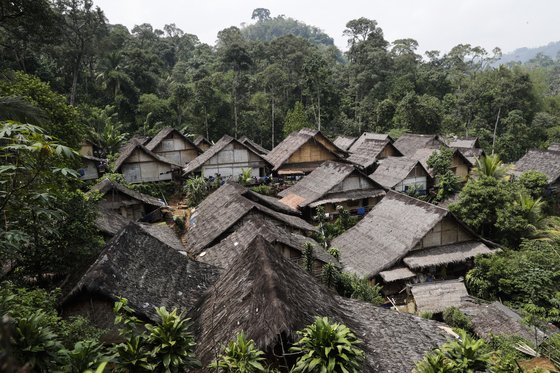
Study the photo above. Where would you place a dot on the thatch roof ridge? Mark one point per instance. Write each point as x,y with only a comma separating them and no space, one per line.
256,147
439,295
166,132
133,144
465,142
393,170
163,233
371,137
386,234
106,185
109,221
545,161
344,142
408,143
140,267
440,255
367,152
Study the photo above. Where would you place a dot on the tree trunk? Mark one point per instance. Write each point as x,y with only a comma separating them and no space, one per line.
495,129
206,122
272,116
75,72
319,110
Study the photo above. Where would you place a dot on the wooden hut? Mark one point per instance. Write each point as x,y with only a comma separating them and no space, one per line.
202,143
333,184
435,297
138,164
172,145
145,265
344,142
350,143
367,154
402,236
128,203
460,165
253,145
409,143
270,298
228,158
219,214
468,146
109,222
92,167
302,152
402,174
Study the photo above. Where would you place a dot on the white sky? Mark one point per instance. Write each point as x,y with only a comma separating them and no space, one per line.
435,24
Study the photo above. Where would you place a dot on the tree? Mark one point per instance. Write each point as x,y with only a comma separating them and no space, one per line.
296,119
328,347
240,356
441,162
490,166
261,14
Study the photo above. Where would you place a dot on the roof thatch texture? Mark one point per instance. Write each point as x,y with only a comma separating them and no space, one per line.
494,318
324,180
251,226
437,296
393,170
199,161
369,136
201,140
222,209
545,161
424,154
165,234
471,154
109,221
253,145
106,186
463,142
272,202
409,143
350,195
265,295
555,146
282,152
386,234
344,142
455,253
166,132
134,144
367,153
401,273
140,267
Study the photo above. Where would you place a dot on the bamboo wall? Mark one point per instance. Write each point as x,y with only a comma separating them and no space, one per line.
176,149
140,167
232,160
310,152
446,232
89,170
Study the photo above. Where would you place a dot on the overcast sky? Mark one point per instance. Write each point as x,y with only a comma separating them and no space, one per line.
435,24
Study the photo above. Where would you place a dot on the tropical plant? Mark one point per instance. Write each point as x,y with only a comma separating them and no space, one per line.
308,257
246,176
328,347
240,356
490,166
453,317
85,355
196,189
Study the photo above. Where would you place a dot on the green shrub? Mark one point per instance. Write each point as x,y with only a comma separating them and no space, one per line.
453,317
351,286
240,356
162,189
195,189
263,189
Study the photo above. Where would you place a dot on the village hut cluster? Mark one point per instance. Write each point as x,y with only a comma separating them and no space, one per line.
239,264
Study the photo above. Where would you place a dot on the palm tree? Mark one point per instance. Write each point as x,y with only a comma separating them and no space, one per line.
491,166
113,78
18,109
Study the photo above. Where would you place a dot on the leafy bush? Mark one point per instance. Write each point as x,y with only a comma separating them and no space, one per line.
240,356
351,286
195,189
263,189
534,183
453,317
162,189
328,347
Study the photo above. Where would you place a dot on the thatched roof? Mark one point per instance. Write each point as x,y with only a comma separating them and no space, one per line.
326,180
253,145
267,296
272,202
437,296
142,268
368,152
344,142
545,161
110,222
489,319
134,144
222,209
463,142
166,132
202,140
555,146
106,186
165,234
396,274
92,158
423,154
409,143
393,170
199,161
386,234
472,154
282,152
369,136
454,253
251,226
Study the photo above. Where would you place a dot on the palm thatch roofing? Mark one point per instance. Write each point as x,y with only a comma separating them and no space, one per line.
253,145
368,151
199,161
386,234
127,150
554,147
201,140
392,170
472,154
222,209
424,154
464,142
409,143
454,253
545,161
344,142
295,140
142,268
269,298
396,274
437,296
369,136
224,253
495,319
166,132
106,186
110,222
324,181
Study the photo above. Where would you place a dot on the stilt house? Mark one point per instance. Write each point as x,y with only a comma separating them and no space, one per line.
172,145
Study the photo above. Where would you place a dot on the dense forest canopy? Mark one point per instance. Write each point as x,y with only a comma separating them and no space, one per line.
139,80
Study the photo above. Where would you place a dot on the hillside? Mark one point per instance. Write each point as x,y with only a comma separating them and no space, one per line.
525,54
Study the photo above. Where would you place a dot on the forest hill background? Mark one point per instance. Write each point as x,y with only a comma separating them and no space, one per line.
251,82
